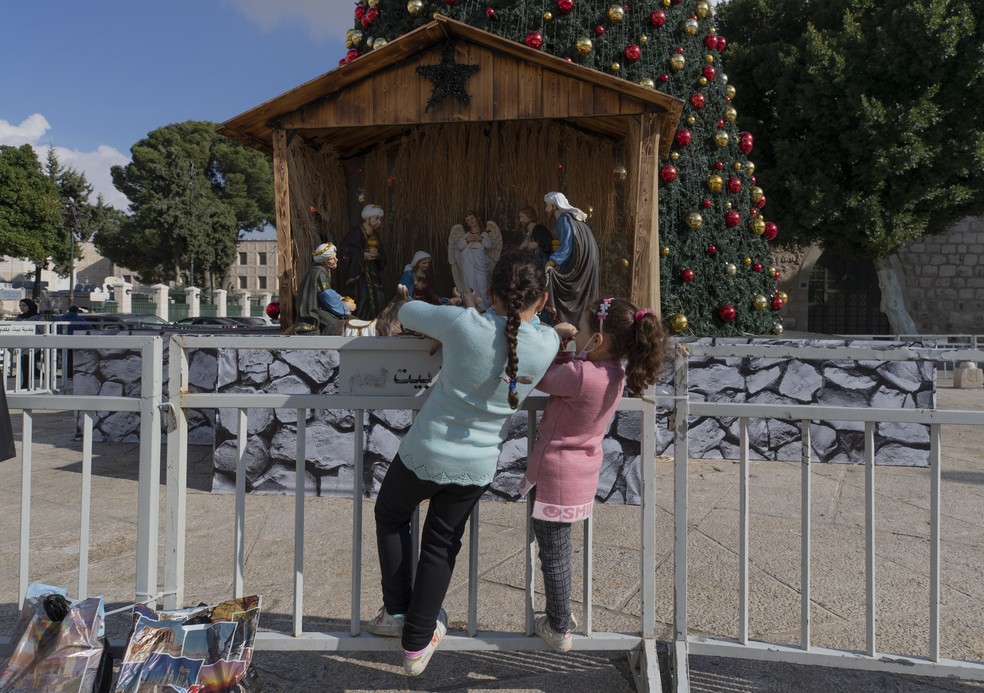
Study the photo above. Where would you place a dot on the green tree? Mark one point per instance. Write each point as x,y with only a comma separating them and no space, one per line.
715,258
30,218
192,193
874,130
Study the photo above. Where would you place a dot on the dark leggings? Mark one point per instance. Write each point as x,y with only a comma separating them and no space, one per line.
419,597
554,541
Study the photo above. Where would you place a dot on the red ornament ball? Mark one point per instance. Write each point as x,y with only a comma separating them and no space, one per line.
352,54
718,165
697,100
734,184
534,39
727,313
709,72
490,12
390,180
705,203
679,50
668,173
657,18
775,276
761,203
565,6
632,52
711,42
687,275
599,30
560,165
753,212
771,230
664,77
777,302
450,2
722,43
720,123
746,141
360,12
712,250
683,138
757,267
732,219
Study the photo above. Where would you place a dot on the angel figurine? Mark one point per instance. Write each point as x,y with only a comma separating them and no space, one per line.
472,251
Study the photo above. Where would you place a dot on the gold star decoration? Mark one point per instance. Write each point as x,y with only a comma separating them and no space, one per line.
448,78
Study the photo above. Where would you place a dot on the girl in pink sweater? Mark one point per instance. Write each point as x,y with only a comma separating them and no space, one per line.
562,472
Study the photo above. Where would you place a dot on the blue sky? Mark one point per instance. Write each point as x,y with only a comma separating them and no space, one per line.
92,78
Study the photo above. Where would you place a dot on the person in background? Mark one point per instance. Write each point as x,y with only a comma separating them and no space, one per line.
319,308
562,472
491,362
29,312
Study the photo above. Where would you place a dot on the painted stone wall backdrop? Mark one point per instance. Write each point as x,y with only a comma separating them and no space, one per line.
330,434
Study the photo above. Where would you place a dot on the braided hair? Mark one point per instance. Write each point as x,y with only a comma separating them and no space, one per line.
635,335
518,280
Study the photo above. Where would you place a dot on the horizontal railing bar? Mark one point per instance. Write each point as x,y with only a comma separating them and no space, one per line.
838,353
843,659
48,402
294,342
821,413
72,341
484,641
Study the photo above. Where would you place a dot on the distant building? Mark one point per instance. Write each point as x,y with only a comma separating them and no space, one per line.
255,268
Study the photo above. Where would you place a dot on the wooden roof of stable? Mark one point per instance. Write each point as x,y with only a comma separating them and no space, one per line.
379,94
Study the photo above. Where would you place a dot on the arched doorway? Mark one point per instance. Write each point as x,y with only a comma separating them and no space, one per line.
844,297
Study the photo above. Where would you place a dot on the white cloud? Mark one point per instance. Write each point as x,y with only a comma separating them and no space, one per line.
323,18
95,165
28,132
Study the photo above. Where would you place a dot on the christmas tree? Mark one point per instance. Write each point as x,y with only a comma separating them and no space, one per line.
717,276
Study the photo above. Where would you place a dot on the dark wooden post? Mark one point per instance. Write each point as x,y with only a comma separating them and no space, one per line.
285,244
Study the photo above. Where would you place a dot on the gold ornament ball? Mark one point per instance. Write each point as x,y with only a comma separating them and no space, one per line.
709,59
356,37
615,67
783,296
664,251
728,206
584,45
643,40
667,3
415,7
750,167
547,16
379,43
370,41
724,78
620,172
721,138
770,270
674,156
373,3
760,302
737,165
776,328
348,43
730,114
694,220
678,322
702,8
747,261
690,27
647,82
757,193
624,262
711,31
715,183
677,61
702,81
730,92
758,225
691,120
616,13
730,269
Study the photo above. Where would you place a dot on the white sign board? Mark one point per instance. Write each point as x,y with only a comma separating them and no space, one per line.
401,366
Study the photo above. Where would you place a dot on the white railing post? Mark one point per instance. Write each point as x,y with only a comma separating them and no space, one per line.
681,569
149,481
177,476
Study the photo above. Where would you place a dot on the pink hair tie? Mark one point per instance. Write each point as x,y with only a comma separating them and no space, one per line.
640,314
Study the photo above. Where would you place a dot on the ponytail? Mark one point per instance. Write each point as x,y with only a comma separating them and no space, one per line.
518,280
637,336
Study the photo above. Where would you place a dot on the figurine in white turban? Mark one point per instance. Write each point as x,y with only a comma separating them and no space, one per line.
573,268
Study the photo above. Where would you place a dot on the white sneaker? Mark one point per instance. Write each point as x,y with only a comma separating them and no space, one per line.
559,642
414,663
388,625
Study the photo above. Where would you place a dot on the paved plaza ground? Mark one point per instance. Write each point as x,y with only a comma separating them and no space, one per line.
902,568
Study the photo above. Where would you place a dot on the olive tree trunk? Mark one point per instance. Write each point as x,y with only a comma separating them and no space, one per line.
892,298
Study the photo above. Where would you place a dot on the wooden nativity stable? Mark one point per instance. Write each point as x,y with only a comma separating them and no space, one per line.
526,123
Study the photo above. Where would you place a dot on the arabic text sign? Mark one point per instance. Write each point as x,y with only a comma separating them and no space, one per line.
387,366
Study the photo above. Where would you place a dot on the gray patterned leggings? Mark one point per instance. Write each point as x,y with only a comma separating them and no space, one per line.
554,540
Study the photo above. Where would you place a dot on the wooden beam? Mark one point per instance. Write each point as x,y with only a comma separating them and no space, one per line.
285,245
643,150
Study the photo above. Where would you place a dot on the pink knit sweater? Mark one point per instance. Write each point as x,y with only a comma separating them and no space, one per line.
567,455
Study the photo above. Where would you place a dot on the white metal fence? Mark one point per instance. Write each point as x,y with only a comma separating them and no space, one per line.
640,645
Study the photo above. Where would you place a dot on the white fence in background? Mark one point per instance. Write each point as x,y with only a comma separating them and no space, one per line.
640,645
